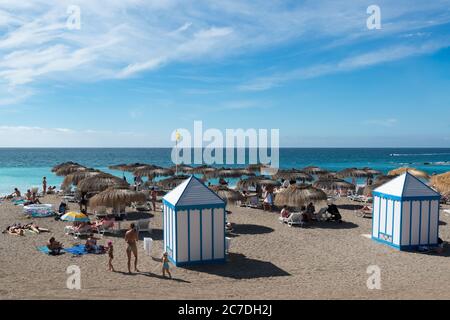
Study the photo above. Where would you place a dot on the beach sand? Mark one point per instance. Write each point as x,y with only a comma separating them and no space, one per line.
267,260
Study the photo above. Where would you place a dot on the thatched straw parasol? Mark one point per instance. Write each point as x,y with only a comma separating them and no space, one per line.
227,194
297,196
256,181
369,189
314,170
152,172
182,168
334,184
415,172
352,173
293,174
327,175
77,177
172,182
132,166
66,170
100,182
229,173
258,167
383,179
64,164
372,172
116,197
441,182
203,169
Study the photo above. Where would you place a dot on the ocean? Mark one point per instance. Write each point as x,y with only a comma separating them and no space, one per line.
24,167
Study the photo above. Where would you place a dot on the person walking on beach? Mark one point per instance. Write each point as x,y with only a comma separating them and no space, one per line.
131,238
153,197
44,186
165,266
110,249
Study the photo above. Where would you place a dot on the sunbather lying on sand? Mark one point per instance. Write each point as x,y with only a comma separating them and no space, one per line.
35,228
14,231
18,229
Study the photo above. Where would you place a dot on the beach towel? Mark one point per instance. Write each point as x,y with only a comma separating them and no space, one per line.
18,202
44,249
77,250
42,214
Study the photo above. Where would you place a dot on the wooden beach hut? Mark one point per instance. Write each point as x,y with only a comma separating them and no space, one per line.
405,213
194,224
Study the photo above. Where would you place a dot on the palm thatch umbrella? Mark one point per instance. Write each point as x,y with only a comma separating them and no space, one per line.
415,172
227,194
68,169
77,177
441,182
383,179
64,164
372,172
131,167
230,173
152,172
100,182
333,184
293,174
352,173
114,197
172,182
327,175
256,181
182,168
258,167
313,170
369,189
298,195
203,169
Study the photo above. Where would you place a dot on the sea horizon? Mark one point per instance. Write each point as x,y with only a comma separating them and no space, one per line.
25,167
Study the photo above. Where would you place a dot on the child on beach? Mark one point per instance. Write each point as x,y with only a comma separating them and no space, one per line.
165,267
110,249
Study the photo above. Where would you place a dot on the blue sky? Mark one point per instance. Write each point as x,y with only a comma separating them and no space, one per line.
137,70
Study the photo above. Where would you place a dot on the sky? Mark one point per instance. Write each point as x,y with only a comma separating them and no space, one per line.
137,70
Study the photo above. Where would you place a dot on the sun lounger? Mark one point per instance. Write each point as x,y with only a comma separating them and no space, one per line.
143,225
141,206
295,219
365,212
70,230
107,226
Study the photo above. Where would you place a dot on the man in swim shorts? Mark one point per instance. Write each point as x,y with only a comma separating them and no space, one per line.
131,238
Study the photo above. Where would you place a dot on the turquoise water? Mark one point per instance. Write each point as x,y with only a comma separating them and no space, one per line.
24,168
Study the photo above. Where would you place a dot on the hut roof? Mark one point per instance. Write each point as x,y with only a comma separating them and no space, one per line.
192,192
406,185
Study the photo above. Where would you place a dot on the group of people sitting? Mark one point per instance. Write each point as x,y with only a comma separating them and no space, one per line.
90,246
18,229
308,214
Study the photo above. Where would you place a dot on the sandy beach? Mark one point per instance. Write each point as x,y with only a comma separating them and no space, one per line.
267,260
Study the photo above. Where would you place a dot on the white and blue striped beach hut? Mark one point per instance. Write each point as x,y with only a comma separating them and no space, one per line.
194,224
405,213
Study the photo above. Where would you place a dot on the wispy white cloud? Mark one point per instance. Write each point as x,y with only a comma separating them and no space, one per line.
353,62
120,39
35,136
